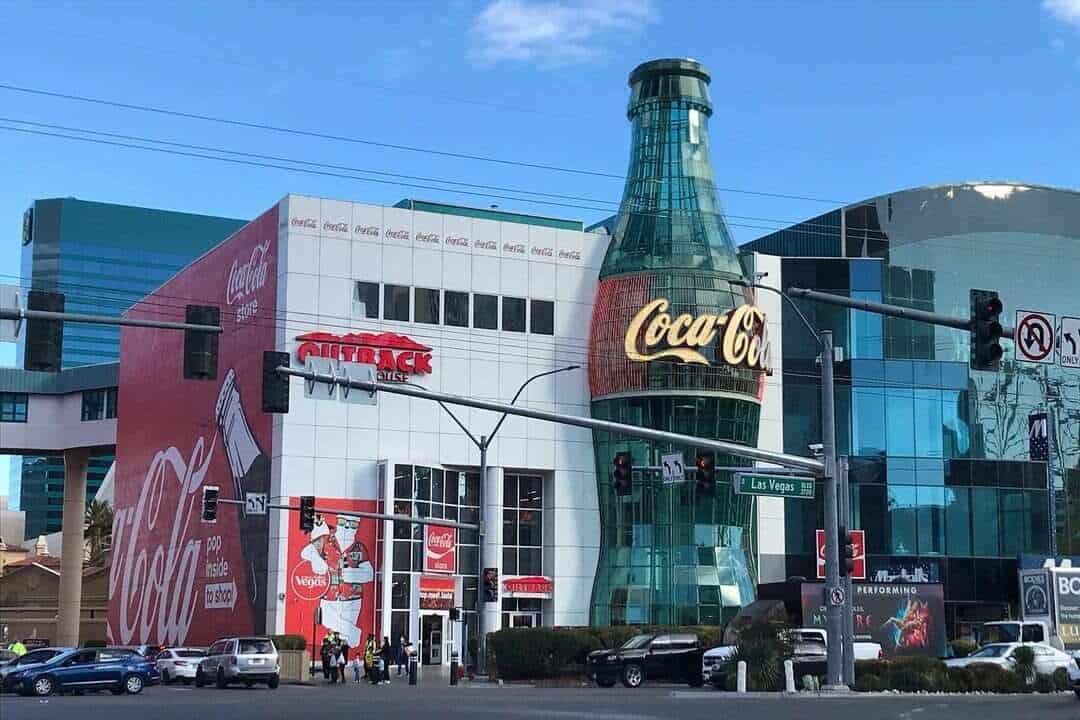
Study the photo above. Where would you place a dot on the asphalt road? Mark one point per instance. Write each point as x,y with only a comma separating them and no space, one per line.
481,702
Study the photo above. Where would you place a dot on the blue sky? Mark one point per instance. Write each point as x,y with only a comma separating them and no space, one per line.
831,100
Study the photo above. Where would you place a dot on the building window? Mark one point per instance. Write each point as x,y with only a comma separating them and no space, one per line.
486,312
13,407
542,317
513,314
396,301
456,308
427,306
367,295
523,530
99,404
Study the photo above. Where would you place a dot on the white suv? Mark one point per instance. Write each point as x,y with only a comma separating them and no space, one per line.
242,659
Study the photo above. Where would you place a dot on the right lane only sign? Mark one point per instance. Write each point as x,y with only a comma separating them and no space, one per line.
1035,336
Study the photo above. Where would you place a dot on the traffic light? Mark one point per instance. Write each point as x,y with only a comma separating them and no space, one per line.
455,614
491,584
307,513
209,503
275,386
847,552
44,338
706,472
621,474
201,348
985,330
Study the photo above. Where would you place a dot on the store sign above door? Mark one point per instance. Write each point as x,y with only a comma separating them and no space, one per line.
528,586
395,357
654,334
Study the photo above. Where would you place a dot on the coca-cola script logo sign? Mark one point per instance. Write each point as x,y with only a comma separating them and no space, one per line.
246,279
440,549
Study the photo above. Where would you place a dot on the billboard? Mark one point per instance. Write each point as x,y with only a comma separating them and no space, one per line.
1067,606
904,618
331,574
174,579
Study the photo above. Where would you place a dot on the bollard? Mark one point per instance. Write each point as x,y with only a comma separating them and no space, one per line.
789,676
453,668
412,670
740,683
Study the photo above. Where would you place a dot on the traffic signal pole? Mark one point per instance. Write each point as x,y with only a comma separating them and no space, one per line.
833,610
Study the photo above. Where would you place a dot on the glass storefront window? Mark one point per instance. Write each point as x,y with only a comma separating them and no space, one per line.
931,520
928,427
900,421
984,522
868,421
958,520
902,519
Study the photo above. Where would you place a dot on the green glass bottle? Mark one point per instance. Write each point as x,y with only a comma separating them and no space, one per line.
670,554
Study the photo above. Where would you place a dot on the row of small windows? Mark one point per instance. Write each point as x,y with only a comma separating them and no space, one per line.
13,407
448,307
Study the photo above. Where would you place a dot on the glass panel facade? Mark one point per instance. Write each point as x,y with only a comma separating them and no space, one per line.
13,407
486,311
366,294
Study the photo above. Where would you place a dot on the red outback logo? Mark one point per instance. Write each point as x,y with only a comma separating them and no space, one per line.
394,356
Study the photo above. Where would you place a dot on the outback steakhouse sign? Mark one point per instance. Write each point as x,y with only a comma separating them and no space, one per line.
528,586
395,357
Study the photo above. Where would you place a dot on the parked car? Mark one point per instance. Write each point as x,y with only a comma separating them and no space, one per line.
1074,677
150,652
809,653
243,659
676,658
179,664
7,656
28,660
117,669
1047,659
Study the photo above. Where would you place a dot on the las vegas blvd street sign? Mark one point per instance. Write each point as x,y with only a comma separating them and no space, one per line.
789,486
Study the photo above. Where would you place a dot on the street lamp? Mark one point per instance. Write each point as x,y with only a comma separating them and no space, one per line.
836,618
482,444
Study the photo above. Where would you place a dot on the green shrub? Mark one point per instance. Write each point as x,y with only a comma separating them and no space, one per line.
871,667
763,646
868,682
522,653
1024,663
289,642
963,647
1044,684
987,677
1061,679
906,679
957,679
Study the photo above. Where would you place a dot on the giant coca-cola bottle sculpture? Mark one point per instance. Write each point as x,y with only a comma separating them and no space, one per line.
250,470
668,555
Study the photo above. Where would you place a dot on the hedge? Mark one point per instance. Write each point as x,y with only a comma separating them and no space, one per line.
915,674
528,653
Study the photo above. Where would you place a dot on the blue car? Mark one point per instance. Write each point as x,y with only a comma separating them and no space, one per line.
116,669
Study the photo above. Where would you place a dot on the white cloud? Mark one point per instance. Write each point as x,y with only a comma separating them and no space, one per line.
1066,11
553,33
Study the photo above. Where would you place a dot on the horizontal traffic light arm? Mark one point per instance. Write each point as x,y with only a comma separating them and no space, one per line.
795,462
891,310
21,314
362,514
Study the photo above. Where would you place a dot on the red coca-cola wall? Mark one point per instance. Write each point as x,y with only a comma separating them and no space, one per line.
331,575
175,579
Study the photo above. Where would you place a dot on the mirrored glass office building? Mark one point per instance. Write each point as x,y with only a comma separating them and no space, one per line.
945,479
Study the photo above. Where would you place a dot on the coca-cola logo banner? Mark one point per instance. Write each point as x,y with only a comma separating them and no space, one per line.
440,549
331,573
175,579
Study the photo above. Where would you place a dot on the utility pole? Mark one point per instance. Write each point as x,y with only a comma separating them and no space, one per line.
849,597
834,624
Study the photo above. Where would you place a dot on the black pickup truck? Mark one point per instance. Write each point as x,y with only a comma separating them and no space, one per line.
673,658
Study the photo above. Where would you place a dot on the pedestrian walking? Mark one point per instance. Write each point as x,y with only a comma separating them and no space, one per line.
387,654
402,653
342,652
324,655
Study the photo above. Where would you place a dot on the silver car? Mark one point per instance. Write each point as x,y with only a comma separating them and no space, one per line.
248,660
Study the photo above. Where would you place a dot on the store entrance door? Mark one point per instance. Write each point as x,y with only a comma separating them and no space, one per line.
431,639
523,620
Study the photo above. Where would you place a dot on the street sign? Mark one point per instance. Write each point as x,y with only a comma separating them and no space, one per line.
1039,436
9,300
858,539
1035,336
789,486
673,468
255,504
836,596
1069,350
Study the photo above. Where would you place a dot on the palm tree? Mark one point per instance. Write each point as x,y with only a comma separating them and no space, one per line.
99,520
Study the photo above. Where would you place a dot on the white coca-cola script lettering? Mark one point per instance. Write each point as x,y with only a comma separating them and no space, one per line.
156,585
247,278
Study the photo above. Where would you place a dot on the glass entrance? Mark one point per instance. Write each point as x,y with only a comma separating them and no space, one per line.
431,639
523,620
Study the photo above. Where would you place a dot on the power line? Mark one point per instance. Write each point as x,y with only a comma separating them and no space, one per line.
363,141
